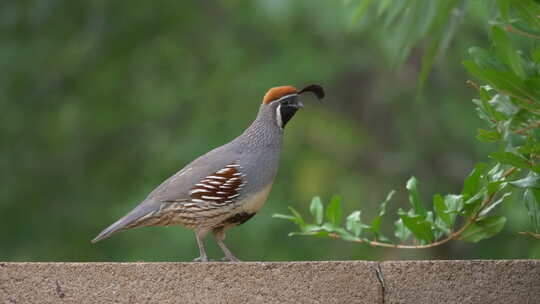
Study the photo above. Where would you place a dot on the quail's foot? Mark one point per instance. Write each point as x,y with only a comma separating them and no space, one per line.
202,259
230,259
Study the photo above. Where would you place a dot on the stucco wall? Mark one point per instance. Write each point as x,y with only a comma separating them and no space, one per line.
516,281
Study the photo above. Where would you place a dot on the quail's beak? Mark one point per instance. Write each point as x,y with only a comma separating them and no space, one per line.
296,103
299,104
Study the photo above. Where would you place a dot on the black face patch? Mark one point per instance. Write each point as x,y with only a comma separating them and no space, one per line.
238,218
287,112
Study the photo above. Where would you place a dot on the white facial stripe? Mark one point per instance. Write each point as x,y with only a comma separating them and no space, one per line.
279,121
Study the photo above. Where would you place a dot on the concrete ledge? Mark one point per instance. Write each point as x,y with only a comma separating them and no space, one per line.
512,281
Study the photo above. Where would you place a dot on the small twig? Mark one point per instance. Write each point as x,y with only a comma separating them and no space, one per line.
529,101
453,236
534,235
473,85
512,29
531,126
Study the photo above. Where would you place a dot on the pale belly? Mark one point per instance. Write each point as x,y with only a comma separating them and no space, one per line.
254,203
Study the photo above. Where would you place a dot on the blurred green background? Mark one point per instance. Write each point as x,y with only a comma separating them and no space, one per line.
103,100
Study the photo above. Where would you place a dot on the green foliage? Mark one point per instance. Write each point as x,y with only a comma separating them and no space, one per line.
509,103
407,23
316,209
427,227
483,228
531,199
510,106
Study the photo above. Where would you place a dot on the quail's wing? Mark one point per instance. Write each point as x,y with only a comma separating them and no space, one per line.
212,178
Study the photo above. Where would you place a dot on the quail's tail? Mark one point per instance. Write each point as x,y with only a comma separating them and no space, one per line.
140,211
116,227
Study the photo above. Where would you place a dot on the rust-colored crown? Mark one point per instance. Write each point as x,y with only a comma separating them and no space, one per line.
278,92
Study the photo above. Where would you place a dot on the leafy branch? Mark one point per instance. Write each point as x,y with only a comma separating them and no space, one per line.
429,228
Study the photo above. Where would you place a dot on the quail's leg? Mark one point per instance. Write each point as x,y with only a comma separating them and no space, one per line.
219,235
199,235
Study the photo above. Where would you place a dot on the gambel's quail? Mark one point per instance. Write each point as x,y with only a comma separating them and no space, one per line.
226,186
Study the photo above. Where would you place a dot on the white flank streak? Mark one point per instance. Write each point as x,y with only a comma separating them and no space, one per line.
198,191
196,200
211,197
216,177
215,183
208,186
232,196
221,192
233,166
223,171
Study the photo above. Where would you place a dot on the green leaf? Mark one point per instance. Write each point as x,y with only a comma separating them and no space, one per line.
472,182
507,82
483,229
442,210
345,235
473,68
511,84
317,210
488,136
493,187
442,29
311,228
471,205
506,51
530,181
528,10
495,173
361,10
417,224
328,227
354,223
503,105
484,59
454,205
536,55
299,220
401,232
536,168
414,197
504,8
285,217
531,199
376,223
494,204
333,211
510,159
